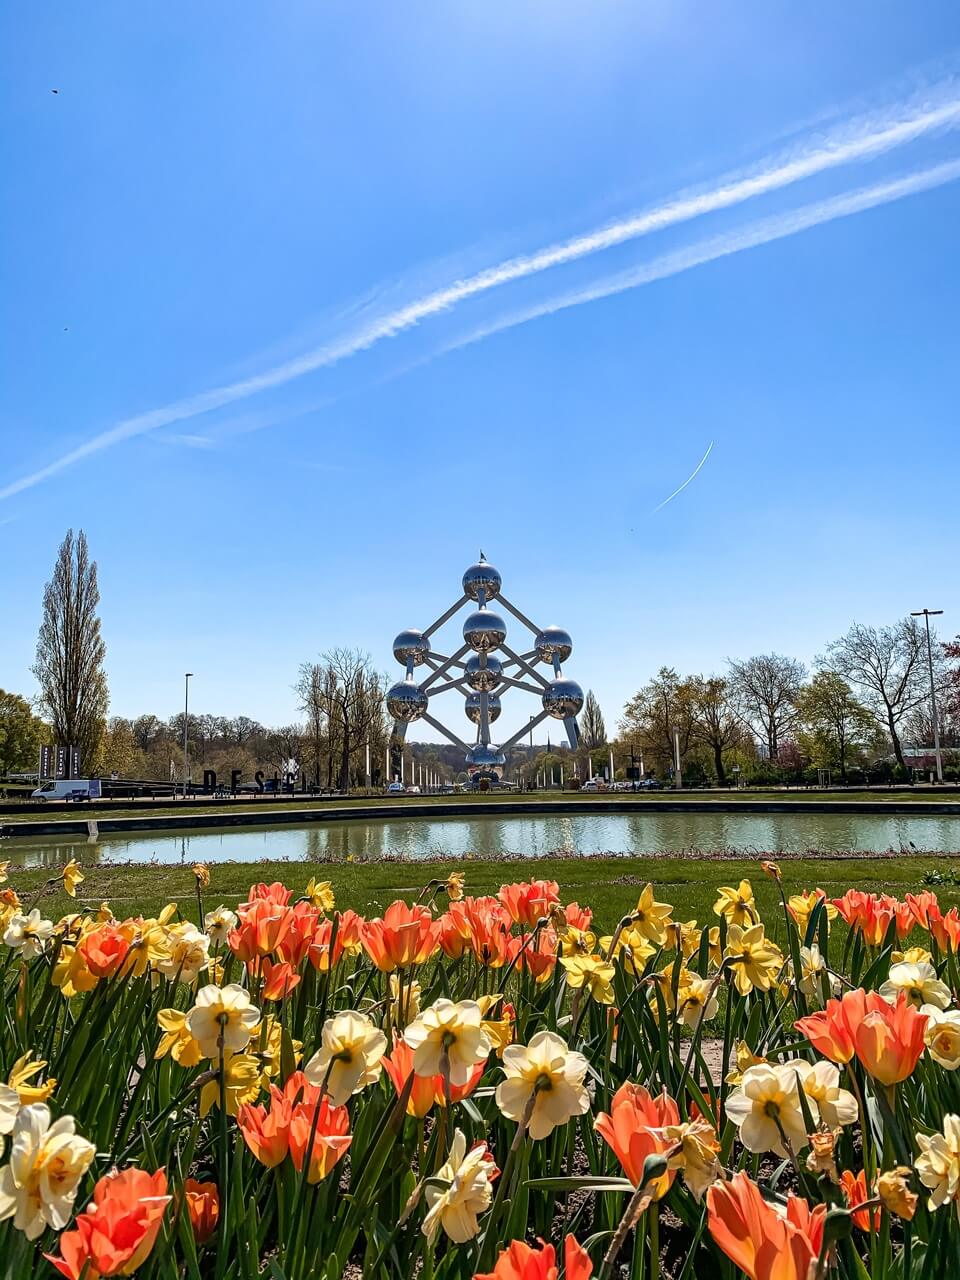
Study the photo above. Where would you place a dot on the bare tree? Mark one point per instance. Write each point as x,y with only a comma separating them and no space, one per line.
593,732
660,713
888,666
767,688
285,745
358,702
71,652
717,722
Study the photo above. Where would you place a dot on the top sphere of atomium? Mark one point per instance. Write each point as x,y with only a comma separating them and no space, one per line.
482,577
411,645
406,701
484,631
553,642
486,677
562,699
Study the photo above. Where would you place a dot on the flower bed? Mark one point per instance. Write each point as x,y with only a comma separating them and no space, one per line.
480,1086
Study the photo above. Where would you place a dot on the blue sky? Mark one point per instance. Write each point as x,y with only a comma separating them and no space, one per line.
263,198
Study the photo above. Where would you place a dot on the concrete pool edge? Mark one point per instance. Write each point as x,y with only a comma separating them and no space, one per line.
458,809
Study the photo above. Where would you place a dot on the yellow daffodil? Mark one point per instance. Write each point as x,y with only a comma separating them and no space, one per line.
576,942
459,1191
737,905
320,894
71,973
499,1030
104,914
592,972
550,1073
269,1045
650,919
754,960
222,1017
349,1057
698,1158
47,1163
893,1188
801,906
202,875
451,1032
72,876
938,1164
455,884
9,907
242,1083
4,869
411,1001
633,950
745,1058
177,1040
22,1073
912,955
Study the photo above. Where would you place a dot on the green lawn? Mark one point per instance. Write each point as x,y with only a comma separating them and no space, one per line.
121,809
609,885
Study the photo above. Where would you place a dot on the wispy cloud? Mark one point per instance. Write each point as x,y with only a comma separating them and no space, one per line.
187,439
693,474
764,231
858,140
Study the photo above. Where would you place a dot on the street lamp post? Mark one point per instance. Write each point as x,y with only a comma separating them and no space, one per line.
186,705
927,614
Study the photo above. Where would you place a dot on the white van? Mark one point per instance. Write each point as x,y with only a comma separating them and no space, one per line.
69,789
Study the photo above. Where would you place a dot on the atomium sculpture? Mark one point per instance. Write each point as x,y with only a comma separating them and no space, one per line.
491,670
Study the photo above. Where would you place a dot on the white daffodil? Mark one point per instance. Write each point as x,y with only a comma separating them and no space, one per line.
349,1057
458,1192
454,1029
920,984
550,1073
47,1161
28,934
222,1012
766,1109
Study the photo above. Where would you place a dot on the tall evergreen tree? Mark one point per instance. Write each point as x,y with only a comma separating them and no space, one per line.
71,652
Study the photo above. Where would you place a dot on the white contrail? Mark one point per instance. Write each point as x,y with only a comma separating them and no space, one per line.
690,477
703,251
861,139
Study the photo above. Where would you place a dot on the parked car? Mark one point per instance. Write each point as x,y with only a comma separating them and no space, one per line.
594,784
396,789
413,790
651,784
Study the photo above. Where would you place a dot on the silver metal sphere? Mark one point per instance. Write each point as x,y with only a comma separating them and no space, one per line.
486,759
406,701
487,677
471,706
484,631
553,642
411,644
482,577
562,698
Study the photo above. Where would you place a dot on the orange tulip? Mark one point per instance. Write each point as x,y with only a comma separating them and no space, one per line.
404,936
455,931
540,958
528,903
578,917
295,944
520,1261
104,949
399,1067
944,929
458,1091
262,927
830,1031
329,1129
756,1238
267,1132
855,1192
921,904
634,1130
276,893
278,979
889,1039
115,1234
203,1206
